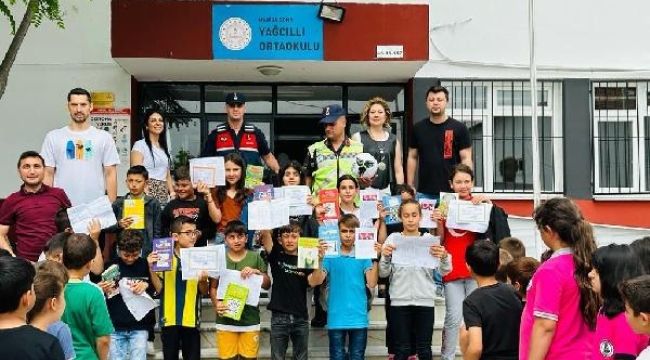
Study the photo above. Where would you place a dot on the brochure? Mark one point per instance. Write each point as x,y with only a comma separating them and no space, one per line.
235,300
308,253
134,208
329,233
112,274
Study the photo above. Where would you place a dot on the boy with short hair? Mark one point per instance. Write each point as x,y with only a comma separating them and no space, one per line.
514,246
288,304
18,340
636,294
85,313
492,312
504,259
347,314
519,272
196,203
136,181
130,336
180,300
239,338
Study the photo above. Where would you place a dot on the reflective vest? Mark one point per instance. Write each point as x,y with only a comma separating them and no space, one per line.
225,144
329,165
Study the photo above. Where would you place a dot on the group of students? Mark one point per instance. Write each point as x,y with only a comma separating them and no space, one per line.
580,303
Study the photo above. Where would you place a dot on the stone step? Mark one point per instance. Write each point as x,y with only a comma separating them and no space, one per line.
315,353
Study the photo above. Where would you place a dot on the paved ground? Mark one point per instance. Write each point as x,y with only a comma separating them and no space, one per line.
524,228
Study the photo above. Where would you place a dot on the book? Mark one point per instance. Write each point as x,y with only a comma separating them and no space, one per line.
164,247
254,175
445,198
235,301
308,253
112,274
263,192
392,203
330,201
329,233
134,208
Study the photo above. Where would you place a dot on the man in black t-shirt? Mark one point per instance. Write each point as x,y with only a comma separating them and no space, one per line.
436,145
18,340
288,305
492,313
200,208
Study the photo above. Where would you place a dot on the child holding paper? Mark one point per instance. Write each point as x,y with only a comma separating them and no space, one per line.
180,324
458,283
130,336
149,226
232,198
291,176
347,315
239,337
288,305
412,288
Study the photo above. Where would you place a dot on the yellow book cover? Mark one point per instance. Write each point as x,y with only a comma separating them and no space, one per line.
308,253
134,208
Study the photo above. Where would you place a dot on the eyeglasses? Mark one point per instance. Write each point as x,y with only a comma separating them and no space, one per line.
190,233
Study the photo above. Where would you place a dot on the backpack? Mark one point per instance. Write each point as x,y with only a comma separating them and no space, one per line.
324,294
498,227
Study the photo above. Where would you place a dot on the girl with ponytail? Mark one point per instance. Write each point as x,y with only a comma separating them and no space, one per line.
561,307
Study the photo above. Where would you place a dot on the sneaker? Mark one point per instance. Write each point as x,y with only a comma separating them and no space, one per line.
150,349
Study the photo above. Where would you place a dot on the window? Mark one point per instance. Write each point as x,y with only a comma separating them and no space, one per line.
307,99
621,137
498,115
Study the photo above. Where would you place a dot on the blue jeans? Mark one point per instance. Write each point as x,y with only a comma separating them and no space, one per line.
126,344
357,339
285,327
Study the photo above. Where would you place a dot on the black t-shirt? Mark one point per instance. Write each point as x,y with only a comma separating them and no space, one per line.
289,293
439,147
196,209
120,315
496,309
29,343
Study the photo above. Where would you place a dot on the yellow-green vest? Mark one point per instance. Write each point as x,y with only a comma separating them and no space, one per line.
329,166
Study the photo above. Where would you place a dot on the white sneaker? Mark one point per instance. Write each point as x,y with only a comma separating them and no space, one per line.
150,349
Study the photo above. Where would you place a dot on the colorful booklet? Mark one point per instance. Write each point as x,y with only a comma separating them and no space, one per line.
254,176
330,201
112,274
263,192
308,253
235,300
134,208
445,198
392,203
329,233
164,247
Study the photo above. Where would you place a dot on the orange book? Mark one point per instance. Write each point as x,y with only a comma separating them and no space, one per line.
330,201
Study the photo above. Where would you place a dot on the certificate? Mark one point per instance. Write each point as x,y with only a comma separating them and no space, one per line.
296,196
209,258
471,213
209,170
101,209
364,243
413,251
267,215
463,215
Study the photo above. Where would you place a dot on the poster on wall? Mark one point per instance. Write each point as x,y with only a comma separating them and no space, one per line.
118,123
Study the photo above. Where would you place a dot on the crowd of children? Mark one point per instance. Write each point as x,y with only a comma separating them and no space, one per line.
582,302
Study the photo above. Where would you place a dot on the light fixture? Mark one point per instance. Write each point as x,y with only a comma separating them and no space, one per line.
331,12
269,70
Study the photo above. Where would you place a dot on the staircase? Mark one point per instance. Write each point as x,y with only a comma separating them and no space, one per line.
318,341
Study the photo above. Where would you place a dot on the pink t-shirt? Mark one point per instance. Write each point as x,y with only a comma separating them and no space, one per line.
554,295
615,336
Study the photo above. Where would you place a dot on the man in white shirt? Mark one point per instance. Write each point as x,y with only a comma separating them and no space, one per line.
80,158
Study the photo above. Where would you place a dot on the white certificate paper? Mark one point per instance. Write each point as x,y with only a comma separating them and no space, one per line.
368,207
296,196
100,209
210,170
427,206
139,305
364,243
267,215
463,215
253,283
413,251
209,258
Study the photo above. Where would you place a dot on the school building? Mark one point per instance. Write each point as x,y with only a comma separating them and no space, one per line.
291,58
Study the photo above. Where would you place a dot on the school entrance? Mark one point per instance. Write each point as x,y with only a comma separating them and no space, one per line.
287,114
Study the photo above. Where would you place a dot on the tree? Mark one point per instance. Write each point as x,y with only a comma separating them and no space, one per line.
35,11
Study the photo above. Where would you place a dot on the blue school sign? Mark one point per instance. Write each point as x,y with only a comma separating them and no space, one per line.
267,32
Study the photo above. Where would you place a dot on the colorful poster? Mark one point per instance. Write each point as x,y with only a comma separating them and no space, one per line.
118,123
329,199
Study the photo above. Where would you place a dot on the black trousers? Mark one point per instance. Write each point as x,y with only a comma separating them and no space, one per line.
412,318
390,341
186,339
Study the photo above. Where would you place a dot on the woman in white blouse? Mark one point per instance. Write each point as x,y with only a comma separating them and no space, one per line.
153,154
